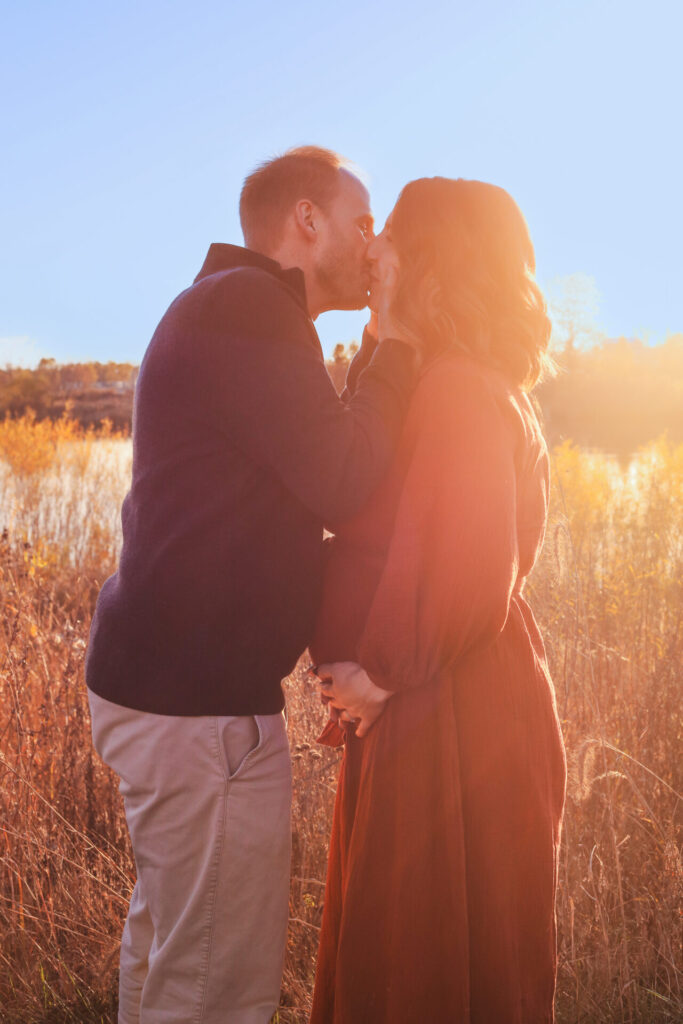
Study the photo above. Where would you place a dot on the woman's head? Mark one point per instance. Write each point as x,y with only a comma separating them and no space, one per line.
466,274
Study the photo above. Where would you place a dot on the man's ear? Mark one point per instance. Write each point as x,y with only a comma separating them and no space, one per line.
306,219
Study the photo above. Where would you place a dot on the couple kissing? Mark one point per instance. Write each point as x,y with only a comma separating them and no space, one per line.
431,473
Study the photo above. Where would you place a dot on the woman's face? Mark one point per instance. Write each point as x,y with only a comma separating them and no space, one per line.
384,264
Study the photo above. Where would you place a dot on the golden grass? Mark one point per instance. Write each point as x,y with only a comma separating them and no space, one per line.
609,594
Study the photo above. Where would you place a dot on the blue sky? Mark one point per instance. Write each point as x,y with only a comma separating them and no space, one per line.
127,130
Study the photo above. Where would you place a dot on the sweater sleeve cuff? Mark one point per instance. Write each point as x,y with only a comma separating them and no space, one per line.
359,362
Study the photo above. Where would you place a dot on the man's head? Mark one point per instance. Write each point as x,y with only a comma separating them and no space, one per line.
307,209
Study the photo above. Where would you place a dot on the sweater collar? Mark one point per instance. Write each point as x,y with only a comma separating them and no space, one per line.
222,256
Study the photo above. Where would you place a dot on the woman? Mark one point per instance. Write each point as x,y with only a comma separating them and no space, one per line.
439,904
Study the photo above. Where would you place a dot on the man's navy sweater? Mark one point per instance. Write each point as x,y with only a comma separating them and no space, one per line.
242,451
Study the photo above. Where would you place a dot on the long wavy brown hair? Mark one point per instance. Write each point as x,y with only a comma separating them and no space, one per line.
466,277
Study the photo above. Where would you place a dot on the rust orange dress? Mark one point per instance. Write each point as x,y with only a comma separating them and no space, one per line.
439,904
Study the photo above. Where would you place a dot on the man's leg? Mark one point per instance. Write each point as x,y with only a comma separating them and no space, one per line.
246,956
207,803
136,942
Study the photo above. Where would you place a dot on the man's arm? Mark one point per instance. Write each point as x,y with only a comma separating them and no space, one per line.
275,401
359,362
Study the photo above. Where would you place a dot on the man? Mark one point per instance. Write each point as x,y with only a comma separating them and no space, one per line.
242,451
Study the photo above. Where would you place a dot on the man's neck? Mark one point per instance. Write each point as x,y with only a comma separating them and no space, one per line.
289,258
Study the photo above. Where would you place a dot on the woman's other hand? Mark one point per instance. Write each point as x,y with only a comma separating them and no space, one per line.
384,278
387,325
372,326
349,688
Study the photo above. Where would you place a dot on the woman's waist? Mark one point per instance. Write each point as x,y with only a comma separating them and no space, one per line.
515,653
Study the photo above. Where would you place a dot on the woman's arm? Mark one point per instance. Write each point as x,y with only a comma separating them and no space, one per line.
452,561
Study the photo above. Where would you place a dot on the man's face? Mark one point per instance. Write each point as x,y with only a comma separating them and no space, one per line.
342,269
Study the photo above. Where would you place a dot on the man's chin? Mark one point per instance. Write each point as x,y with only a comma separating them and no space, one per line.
352,302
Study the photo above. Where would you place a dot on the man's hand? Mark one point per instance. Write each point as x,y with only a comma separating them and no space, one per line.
347,687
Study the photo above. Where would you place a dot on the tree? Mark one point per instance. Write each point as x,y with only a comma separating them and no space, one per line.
338,365
573,305
25,389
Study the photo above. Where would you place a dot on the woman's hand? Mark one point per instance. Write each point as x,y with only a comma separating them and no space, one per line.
372,326
387,326
348,688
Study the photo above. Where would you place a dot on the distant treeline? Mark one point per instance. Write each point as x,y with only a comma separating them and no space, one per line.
91,391
614,396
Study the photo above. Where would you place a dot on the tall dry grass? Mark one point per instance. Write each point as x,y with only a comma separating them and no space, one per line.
609,594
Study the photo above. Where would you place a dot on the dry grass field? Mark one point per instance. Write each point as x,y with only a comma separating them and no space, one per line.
609,595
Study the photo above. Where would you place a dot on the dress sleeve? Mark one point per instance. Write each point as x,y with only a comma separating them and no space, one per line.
453,558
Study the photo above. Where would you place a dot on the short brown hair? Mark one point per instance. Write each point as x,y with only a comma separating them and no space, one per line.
466,278
270,192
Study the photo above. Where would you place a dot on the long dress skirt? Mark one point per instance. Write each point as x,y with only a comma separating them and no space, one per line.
440,896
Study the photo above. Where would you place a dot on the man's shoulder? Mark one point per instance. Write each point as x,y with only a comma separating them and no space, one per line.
240,298
243,285
241,305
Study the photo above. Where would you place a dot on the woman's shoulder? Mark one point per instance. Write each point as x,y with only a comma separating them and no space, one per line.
460,389
456,376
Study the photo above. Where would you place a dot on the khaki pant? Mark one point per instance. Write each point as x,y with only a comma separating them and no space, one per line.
207,802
